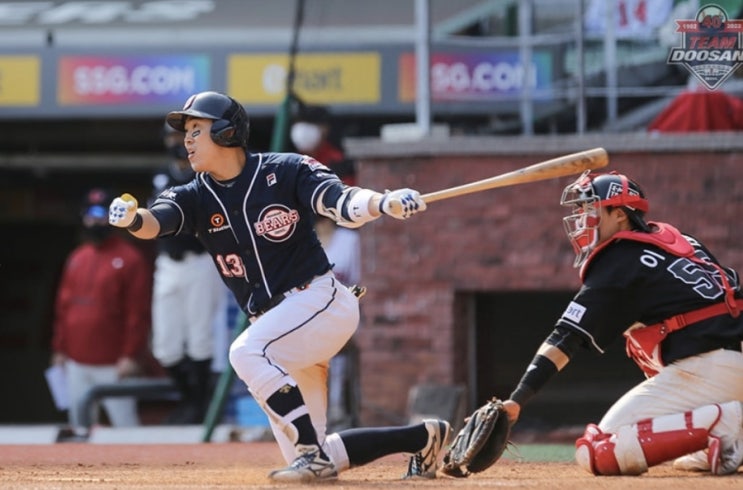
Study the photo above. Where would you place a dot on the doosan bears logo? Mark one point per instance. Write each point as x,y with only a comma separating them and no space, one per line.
276,223
710,46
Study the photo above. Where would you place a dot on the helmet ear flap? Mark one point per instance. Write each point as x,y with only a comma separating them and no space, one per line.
223,133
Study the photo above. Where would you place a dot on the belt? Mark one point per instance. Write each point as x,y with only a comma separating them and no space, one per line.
278,298
358,291
178,255
735,346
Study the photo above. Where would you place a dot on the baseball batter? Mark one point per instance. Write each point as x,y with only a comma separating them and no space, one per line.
678,309
254,213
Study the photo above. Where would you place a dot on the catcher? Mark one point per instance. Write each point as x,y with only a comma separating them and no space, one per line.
679,311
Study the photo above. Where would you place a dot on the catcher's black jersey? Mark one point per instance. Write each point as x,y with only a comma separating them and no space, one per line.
258,227
630,281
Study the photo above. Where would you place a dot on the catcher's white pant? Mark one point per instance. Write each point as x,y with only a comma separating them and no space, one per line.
186,297
712,377
121,411
292,344
690,404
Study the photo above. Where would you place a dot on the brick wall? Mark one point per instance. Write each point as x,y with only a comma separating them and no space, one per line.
413,319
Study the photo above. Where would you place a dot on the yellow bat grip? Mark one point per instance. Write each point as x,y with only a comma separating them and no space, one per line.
129,198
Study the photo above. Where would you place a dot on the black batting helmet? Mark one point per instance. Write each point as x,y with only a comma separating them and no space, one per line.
231,125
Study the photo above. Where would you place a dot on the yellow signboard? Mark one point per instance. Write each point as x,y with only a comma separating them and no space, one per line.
320,78
20,80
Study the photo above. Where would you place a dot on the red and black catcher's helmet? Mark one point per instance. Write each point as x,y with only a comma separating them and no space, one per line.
610,190
231,125
616,190
587,195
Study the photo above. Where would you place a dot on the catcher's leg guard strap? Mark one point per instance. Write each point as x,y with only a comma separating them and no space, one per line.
610,454
594,452
649,442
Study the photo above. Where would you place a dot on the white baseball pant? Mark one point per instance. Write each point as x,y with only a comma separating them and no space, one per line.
712,377
185,301
292,344
121,411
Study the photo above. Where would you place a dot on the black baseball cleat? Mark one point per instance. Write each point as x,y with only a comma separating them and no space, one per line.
424,463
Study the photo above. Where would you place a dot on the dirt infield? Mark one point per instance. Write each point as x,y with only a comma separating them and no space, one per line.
241,465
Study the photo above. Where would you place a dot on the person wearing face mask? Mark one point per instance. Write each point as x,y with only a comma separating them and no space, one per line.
101,315
187,295
310,135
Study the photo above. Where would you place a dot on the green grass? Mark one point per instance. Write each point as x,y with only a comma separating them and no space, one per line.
541,452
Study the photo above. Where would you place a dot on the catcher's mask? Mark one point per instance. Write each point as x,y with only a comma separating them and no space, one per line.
231,125
587,195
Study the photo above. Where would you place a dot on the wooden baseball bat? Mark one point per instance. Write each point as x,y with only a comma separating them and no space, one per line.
574,163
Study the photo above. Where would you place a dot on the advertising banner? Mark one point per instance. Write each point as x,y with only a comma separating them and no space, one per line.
131,80
321,78
476,76
20,81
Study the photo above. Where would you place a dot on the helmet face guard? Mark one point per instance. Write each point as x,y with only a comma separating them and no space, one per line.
586,196
582,224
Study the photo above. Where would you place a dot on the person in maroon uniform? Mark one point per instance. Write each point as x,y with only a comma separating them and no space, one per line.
679,310
102,314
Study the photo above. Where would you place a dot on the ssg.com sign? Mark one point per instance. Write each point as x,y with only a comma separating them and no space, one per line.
711,46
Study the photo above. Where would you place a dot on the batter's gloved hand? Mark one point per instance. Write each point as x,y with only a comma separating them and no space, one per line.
401,203
122,211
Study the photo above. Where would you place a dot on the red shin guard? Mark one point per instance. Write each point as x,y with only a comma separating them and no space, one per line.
632,449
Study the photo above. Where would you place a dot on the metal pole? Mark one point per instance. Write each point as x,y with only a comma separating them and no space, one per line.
580,104
222,390
423,67
278,143
283,115
525,51
610,55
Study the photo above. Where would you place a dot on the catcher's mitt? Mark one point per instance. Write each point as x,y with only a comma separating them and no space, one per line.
481,441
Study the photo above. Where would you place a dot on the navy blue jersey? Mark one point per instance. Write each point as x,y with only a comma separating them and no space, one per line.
259,226
175,246
630,281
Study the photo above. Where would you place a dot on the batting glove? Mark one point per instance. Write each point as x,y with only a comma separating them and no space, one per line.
402,203
122,211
